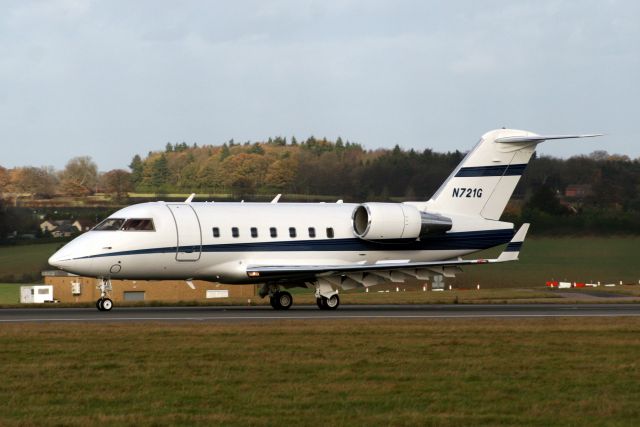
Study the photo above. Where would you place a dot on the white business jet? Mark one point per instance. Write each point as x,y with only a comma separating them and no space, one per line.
321,246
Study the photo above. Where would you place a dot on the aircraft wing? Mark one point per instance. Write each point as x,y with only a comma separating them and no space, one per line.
300,272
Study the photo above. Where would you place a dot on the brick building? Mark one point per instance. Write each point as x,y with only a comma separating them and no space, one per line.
71,288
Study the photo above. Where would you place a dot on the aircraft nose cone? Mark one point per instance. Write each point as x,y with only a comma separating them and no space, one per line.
55,260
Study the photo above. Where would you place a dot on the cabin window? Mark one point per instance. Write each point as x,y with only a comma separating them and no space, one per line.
312,232
235,232
109,224
273,231
292,232
254,232
135,224
330,232
216,232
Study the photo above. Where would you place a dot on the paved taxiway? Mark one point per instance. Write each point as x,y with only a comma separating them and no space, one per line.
346,312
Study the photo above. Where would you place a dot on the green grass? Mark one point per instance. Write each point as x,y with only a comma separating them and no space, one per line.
577,259
9,293
441,372
25,262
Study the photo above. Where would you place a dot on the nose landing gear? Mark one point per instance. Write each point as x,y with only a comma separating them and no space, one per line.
104,303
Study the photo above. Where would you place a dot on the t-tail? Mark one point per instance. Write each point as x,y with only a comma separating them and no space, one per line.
484,181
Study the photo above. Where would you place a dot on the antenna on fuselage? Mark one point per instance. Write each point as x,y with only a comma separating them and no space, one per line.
275,199
190,198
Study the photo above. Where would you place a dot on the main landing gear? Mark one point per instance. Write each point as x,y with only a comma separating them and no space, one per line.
330,303
280,300
104,303
326,297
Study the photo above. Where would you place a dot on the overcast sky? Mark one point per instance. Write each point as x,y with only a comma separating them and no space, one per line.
110,79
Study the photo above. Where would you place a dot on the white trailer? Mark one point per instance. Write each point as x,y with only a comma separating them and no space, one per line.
36,294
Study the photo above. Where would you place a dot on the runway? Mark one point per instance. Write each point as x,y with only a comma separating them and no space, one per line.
346,312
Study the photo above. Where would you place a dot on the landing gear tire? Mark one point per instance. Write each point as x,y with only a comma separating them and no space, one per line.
104,304
281,300
274,302
331,303
285,300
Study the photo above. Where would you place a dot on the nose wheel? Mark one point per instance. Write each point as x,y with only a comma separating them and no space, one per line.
104,304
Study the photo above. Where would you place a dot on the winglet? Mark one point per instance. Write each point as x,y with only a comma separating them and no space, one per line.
512,250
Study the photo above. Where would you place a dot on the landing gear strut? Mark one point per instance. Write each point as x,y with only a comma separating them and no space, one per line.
104,303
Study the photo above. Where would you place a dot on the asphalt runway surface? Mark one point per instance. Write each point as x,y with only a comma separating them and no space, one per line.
346,312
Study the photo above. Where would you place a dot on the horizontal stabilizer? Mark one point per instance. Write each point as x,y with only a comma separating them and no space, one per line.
541,138
512,250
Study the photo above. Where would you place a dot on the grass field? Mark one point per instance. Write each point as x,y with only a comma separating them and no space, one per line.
578,259
441,372
21,260
573,259
9,293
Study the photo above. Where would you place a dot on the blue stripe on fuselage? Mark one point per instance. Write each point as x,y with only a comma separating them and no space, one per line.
504,170
449,241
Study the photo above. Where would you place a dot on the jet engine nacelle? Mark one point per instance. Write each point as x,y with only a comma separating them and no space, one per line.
381,221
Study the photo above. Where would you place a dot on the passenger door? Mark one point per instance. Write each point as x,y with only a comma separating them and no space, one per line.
188,233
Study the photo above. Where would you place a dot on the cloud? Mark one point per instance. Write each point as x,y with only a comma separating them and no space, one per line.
114,78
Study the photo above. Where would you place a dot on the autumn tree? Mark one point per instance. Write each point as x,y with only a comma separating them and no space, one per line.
243,173
117,182
4,179
281,173
34,181
79,177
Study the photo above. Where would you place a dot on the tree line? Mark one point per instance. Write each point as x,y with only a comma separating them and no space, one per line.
80,177
609,184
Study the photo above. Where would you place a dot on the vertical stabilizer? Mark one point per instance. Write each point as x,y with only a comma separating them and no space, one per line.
484,181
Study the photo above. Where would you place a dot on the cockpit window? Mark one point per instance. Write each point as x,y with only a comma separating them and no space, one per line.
109,224
137,224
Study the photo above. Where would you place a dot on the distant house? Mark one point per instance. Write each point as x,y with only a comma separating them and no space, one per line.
578,191
64,227
50,225
65,230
